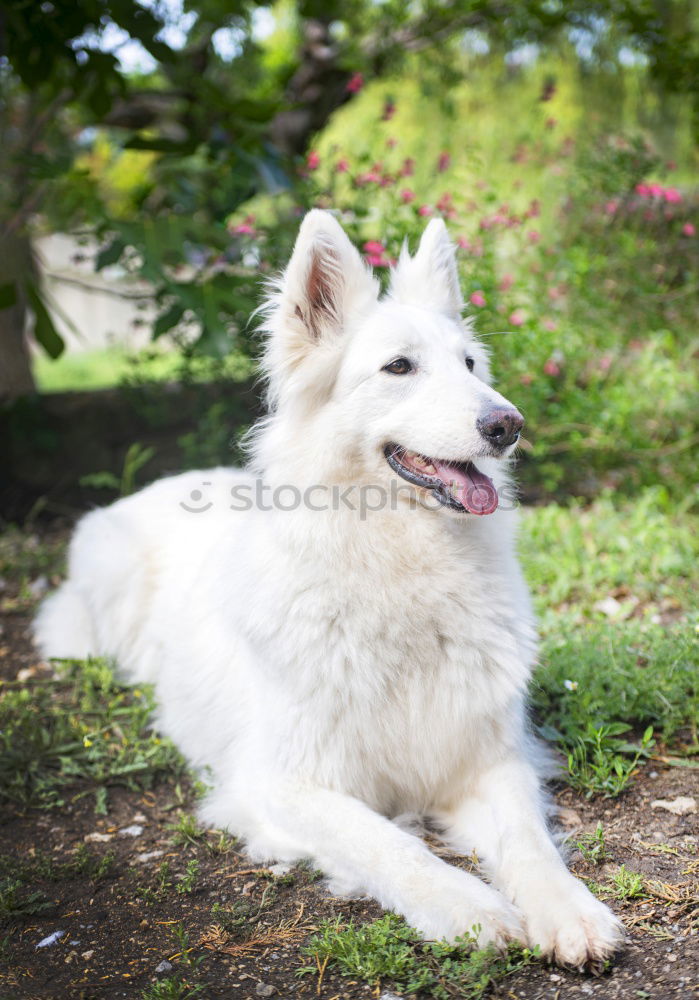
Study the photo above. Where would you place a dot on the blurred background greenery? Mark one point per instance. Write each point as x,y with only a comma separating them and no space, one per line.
155,159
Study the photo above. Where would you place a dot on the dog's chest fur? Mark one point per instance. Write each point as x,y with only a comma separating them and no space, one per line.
404,651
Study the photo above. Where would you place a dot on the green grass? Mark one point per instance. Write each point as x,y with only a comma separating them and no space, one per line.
642,552
171,988
113,366
622,885
78,732
388,953
604,578
85,371
592,846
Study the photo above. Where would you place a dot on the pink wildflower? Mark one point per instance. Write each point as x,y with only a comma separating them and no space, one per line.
377,260
443,162
445,206
534,210
552,367
533,236
374,247
643,190
550,324
342,166
526,379
408,168
245,228
672,196
313,160
463,243
355,83
425,210
477,298
605,362
611,207
688,229
389,110
506,283
407,195
516,318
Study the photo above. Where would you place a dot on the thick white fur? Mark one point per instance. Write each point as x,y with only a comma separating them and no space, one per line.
336,669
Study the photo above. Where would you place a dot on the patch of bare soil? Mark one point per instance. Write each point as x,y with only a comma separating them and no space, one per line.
152,913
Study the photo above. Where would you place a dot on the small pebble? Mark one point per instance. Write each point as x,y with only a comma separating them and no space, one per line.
680,806
264,990
164,966
52,939
87,955
97,838
135,830
279,870
147,856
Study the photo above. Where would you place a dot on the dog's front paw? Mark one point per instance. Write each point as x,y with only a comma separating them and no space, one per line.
571,927
467,906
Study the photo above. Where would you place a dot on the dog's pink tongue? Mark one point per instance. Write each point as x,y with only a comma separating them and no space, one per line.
473,489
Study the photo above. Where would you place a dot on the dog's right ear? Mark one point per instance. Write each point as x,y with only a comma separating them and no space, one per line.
325,281
325,287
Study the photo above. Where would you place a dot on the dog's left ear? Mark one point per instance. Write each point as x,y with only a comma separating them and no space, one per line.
430,278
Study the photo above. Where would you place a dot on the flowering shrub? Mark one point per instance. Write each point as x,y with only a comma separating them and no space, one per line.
584,299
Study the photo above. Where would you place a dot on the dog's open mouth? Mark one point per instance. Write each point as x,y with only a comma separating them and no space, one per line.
459,485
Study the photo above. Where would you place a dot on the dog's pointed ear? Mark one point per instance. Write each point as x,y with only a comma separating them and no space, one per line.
325,279
430,278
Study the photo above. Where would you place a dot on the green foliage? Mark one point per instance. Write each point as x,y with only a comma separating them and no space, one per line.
626,674
19,896
135,458
592,846
186,832
627,884
622,885
596,763
172,988
388,952
599,675
16,902
80,731
189,880
643,550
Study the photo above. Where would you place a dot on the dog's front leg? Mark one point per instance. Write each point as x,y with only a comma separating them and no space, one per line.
503,820
365,852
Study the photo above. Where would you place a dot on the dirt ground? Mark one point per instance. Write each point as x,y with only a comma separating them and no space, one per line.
118,929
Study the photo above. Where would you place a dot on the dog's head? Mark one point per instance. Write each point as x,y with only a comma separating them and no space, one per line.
385,385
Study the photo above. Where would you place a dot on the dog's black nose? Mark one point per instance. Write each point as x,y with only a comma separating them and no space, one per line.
501,426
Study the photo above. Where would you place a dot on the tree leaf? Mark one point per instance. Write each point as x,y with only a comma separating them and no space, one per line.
45,332
110,254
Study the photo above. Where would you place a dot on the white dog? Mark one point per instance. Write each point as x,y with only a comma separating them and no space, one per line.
342,633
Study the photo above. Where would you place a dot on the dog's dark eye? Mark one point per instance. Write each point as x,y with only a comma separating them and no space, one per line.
470,364
400,366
